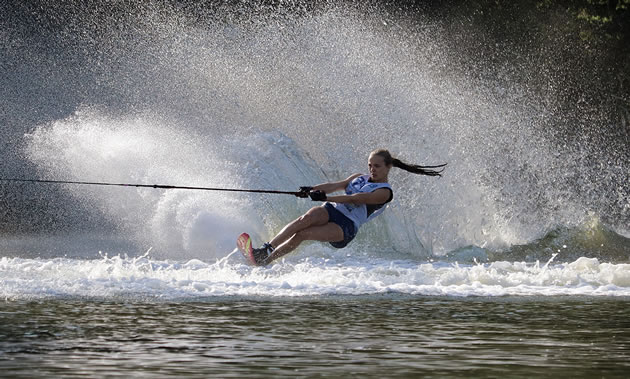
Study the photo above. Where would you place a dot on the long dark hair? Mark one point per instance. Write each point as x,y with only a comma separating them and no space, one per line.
416,169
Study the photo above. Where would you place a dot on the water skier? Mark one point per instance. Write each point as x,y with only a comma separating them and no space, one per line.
339,219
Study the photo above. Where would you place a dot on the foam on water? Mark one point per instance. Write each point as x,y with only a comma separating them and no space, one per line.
148,278
96,147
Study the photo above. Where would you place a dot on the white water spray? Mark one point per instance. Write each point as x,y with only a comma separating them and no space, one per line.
279,101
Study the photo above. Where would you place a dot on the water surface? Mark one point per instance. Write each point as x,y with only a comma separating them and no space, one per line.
374,336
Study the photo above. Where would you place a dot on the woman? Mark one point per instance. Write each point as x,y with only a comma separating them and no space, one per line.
339,219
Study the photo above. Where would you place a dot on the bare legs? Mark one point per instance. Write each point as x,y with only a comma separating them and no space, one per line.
312,226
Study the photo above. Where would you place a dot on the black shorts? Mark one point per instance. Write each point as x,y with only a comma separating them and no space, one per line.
346,225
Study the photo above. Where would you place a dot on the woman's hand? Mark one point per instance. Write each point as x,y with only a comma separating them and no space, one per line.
317,195
303,192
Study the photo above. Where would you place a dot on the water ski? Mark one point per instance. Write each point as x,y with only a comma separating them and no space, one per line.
244,244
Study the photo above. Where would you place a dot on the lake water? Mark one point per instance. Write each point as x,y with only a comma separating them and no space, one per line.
373,336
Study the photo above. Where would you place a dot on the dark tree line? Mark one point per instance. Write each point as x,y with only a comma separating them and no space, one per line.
576,53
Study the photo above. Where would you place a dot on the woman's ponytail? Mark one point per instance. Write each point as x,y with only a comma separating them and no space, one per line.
416,169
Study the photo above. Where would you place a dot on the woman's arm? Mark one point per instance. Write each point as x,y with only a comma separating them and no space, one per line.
335,186
379,196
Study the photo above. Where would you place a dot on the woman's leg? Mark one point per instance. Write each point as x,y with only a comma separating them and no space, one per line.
329,232
315,216
312,226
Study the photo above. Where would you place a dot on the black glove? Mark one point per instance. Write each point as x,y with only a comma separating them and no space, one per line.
303,192
317,195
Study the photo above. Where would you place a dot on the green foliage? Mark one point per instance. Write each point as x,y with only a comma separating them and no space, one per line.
580,48
600,19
